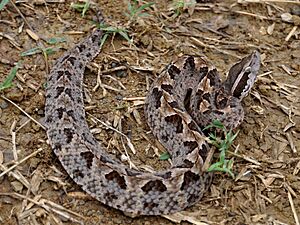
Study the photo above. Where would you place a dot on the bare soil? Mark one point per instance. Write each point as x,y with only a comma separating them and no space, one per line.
266,152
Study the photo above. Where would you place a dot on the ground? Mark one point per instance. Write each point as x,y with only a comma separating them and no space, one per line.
34,187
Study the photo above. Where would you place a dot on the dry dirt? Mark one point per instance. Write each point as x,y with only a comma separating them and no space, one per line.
266,153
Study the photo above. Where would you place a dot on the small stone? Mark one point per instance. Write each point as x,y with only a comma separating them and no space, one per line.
15,94
119,97
40,112
296,10
91,212
113,64
121,73
17,186
7,153
3,104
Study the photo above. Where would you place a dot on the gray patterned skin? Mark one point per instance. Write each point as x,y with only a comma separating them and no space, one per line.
170,105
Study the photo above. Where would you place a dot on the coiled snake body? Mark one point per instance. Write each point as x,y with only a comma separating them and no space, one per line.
186,96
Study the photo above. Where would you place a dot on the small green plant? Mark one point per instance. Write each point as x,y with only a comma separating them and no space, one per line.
46,51
135,10
83,8
3,3
111,30
223,165
38,50
7,83
164,156
180,5
53,41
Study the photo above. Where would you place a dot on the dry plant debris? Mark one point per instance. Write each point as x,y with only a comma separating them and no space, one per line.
35,190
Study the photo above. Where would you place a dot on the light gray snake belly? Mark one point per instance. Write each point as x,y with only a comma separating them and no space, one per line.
186,96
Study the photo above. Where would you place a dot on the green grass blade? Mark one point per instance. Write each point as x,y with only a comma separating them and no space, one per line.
145,6
103,39
78,7
143,14
38,50
32,51
231,139
129,7
124,35
164,156
54,40
50,50
3,3
7,83
85,8
218,124
214,166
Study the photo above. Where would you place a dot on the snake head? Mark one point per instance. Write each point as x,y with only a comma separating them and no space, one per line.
242,75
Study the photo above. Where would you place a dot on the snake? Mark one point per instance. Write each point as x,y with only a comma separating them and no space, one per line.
186,96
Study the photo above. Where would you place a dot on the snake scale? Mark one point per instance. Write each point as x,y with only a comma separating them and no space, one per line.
187,95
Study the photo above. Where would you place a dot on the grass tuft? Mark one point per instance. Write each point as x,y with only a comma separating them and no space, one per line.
38,50
180,5
223,144
83,8
111,30
135,10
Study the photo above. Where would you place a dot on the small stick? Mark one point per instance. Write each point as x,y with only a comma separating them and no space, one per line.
254,15
245,158
272,1
290,140
20,162
292,32
17,175
110,127
213,47
13,140
134,98
10,101
293,209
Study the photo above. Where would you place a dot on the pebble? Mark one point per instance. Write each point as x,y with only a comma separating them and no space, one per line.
91,212
17,186
3,104
121,73
113,64
296,10
119,97
41,112
15,95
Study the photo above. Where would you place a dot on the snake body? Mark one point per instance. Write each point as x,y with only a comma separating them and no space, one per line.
186,96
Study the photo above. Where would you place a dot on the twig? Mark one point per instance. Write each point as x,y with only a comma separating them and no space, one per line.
10,101
197,41
110,127
271,1
13,140
292,32
293,209
255,15
20,162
